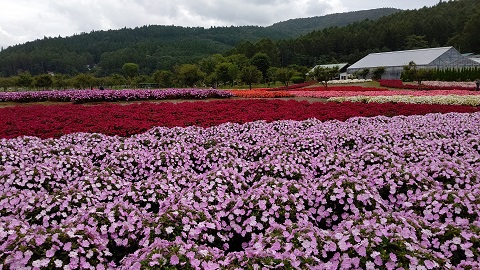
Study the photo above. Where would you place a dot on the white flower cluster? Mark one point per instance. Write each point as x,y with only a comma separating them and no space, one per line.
348,81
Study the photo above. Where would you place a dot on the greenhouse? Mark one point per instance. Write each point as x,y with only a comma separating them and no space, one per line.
431,58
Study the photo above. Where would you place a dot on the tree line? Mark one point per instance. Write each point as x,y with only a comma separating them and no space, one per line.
213,71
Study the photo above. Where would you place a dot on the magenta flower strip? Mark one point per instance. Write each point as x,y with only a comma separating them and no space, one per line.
82,96
367,193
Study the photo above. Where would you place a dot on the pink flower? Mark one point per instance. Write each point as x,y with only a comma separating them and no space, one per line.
429,264
67,246
393,257
276,246
362,251
50,253
174,260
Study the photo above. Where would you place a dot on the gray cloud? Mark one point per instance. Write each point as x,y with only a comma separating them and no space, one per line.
26,20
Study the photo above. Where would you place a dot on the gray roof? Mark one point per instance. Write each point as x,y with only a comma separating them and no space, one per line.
340,66
476,59
400,58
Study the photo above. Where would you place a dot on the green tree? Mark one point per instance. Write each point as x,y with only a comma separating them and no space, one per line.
364,73
284,75
164,78
60,81
272,75
377,73
208,65
83,81
130,70
222,72
262,62
25,79
6,83
43,81
416,42
234,72
412,73
189,74
240,60
324,74
250,75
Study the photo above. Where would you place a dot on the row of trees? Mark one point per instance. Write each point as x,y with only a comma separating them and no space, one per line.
213,71
103,53
413,73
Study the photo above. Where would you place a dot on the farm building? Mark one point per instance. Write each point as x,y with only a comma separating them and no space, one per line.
342,67
393,62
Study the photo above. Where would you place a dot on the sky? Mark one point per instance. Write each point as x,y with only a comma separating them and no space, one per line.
28,20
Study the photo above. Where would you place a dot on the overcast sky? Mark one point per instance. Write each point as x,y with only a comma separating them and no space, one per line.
27,20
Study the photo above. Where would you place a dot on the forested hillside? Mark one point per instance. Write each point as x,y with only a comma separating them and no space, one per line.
453,23
152,47
301,26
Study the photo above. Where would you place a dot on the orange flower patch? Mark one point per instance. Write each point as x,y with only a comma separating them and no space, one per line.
260,93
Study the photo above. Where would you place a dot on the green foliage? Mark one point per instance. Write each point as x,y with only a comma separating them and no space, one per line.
6,83
82,81
163,78
323,74
43,81
297,79
449,74
60,81
416,42
412,73
189,75
226,72
377,73
284,75
262,62
250,75
25,79
343,37
301,26
130,70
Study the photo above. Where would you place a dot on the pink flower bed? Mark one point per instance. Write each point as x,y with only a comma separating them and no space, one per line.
329,94
429,86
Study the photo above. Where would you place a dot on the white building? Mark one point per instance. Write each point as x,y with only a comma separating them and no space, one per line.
393,62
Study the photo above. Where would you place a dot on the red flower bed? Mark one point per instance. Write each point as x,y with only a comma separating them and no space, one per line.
124,120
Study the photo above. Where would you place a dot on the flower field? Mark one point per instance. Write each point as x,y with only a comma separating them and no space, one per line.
260,93
371,179
349,88
469,100
124,120
83,96
365,193
429,85
333,92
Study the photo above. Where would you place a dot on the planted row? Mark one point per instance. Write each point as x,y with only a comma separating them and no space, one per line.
379,92
427,86
368,193
469,100
125,120
260,93
82,96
